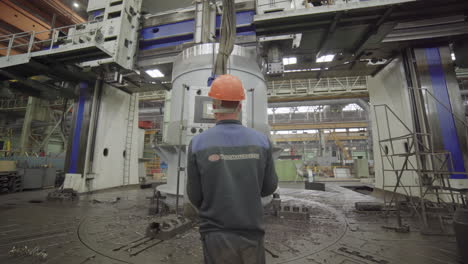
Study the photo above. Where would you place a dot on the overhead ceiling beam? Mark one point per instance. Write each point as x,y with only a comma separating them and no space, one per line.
42,11
22,19
62,72
66,11
23,89
372,30
381,67
45,89
330,31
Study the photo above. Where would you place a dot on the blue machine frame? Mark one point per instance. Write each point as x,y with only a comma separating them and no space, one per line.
73,168
446,119
181,32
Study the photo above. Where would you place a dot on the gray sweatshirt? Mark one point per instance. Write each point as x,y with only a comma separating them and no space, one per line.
229,168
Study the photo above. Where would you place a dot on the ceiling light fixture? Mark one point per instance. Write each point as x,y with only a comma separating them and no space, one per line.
325,58
155,73
289,60
303,70
453,57
76,5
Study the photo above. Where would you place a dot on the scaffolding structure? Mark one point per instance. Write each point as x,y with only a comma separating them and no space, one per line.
412,168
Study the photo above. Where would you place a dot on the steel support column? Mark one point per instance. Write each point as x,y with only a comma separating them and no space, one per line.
444,109
205,22
26,130
76,152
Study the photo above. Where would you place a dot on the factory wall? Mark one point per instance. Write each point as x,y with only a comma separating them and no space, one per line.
111,135
390,88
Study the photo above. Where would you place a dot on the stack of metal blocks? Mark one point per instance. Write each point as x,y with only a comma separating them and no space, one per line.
10,182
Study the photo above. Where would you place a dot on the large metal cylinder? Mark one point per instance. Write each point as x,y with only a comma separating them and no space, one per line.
191,70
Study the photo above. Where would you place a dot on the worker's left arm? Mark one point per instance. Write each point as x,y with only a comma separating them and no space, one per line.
194,189
270,180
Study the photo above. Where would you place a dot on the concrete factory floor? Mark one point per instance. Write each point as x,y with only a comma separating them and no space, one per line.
88,230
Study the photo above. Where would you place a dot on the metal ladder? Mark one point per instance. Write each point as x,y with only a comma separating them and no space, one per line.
129,139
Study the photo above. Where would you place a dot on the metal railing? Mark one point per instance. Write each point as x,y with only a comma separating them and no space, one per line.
338,85
268,6
13,104
153,95
22,103
318,117
31,41
34,160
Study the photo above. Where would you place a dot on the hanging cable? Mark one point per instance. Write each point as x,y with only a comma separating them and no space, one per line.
62,119
227,37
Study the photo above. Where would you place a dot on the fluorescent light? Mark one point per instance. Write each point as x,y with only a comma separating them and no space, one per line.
325,58
453,57
289,61
76,5
303,70
155,73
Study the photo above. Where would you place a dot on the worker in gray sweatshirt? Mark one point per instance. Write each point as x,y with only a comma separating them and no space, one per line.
229,168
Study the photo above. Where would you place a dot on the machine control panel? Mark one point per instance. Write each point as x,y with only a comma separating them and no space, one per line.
200,111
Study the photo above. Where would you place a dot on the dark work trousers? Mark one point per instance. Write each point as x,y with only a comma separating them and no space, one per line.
230,248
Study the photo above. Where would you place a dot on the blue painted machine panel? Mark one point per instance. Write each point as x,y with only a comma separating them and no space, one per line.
181,32
446,119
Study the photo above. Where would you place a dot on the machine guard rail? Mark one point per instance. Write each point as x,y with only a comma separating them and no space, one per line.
30,41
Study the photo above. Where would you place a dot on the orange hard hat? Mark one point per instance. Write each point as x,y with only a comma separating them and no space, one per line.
227,88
